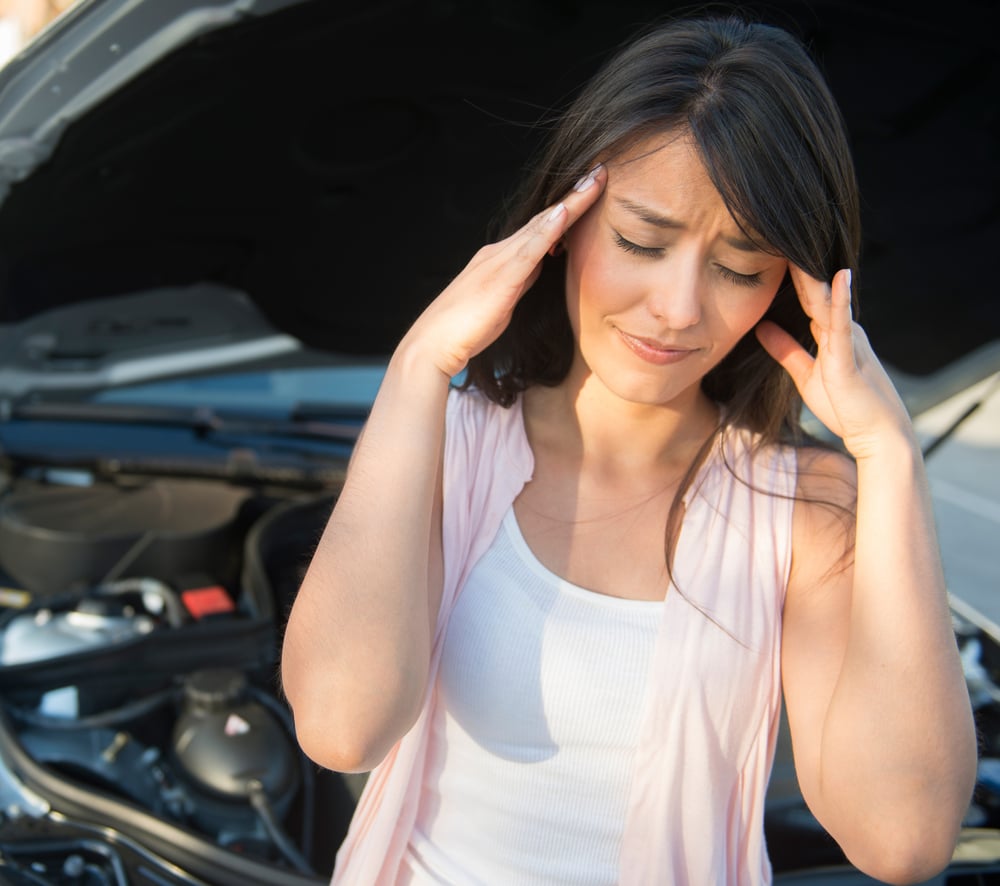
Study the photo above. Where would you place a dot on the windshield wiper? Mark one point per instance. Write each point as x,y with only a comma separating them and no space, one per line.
315,422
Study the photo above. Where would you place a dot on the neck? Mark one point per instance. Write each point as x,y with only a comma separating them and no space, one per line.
585,421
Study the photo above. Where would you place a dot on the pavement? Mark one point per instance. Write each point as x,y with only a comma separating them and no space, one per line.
964,475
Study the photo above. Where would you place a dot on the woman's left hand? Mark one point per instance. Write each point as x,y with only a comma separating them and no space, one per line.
844,385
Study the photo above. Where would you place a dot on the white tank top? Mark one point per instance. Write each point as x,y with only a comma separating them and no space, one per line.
541,692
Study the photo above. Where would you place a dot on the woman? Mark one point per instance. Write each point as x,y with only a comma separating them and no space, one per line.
557,608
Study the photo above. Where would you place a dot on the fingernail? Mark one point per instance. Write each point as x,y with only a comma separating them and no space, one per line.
588,179
848,279
557,211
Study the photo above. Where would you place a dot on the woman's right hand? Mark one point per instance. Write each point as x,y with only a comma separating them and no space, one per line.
477,305
355,659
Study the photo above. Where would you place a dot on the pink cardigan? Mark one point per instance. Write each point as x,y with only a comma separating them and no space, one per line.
707,742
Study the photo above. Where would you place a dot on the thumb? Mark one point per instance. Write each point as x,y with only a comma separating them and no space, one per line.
786,351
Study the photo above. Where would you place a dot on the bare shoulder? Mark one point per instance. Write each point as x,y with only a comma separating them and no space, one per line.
826,475
825,506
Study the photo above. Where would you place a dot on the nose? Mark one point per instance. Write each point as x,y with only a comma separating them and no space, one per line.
676,293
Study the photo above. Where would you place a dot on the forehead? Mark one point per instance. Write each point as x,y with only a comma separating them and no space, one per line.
663,177
665,168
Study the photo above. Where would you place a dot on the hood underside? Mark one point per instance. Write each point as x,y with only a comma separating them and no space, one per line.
339,162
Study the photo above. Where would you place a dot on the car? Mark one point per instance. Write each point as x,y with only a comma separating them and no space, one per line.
216,219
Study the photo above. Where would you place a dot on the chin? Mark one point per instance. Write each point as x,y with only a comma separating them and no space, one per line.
679,393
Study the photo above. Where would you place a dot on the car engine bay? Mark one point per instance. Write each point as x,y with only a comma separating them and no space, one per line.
138,658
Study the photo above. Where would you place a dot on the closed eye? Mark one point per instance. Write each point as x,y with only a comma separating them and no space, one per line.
739,279
636,249
728,274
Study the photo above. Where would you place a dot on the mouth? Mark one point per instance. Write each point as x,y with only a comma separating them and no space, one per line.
654,351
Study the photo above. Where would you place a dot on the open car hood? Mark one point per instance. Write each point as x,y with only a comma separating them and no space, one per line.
335,162
332,165
86,56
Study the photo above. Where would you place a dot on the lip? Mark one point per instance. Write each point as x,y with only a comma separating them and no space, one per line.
653,351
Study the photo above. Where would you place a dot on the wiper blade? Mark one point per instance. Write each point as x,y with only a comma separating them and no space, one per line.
343,426
307,411
971,410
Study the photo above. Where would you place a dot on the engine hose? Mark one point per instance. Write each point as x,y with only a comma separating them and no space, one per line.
306,767
101,720
172,606
260,804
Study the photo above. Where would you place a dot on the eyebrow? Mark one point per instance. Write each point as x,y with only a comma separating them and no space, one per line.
647,215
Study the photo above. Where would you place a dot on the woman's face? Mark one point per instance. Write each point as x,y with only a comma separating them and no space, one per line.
661,283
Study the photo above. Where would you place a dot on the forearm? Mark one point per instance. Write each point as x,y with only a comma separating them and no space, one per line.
357,646
898,741
357,643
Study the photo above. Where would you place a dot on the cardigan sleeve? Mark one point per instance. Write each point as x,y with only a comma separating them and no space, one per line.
487,461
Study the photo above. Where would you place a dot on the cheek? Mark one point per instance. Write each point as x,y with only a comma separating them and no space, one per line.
742,311
758,307
740,322
583,258
596,282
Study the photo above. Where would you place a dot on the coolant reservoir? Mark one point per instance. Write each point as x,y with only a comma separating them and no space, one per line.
226,741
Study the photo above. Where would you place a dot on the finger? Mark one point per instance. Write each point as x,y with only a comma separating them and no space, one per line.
783,347
814,295
840,339
841,316
576,202
586,191
526,247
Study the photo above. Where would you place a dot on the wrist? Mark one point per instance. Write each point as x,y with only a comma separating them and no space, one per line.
892,440
418,364
891,451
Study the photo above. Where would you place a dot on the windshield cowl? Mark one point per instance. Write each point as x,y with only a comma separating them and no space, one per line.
112,342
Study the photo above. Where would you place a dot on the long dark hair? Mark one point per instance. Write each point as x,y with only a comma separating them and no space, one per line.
773,143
